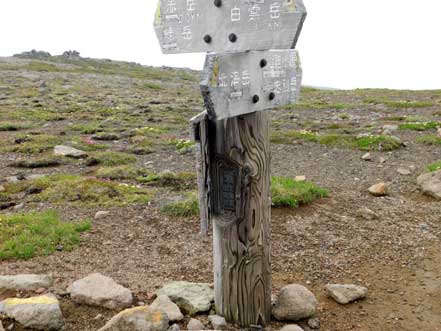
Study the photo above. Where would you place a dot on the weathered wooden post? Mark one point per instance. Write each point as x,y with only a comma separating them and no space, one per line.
254,69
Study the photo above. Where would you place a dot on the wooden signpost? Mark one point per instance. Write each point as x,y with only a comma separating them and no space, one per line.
254,70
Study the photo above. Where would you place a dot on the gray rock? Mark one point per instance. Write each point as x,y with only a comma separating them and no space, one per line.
25,282
99,290
164,303
390,128
291,327
195,325
217,322
367,213
345,294
430,184
378,190
138,319
404,171
174,327
101,214
68,151
294,303
314,323
39,313
367,157
190,297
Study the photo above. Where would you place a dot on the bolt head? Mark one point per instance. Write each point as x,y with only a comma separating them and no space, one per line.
272,96
263,63
218,3
256,98
207,38
232,37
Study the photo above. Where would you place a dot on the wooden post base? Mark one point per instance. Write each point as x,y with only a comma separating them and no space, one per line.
237,192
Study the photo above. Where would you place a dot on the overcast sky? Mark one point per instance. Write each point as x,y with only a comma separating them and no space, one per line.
344,43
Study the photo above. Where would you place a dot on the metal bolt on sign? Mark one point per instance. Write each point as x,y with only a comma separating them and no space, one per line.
251,67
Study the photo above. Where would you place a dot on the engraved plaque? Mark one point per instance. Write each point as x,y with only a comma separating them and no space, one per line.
187,26
228,189
241,83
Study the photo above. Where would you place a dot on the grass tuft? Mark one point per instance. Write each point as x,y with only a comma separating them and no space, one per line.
434,166
286,192
111,159
187,207
24,236
419,126
430,139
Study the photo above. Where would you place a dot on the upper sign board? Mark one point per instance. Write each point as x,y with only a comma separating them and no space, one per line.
189,26
234,84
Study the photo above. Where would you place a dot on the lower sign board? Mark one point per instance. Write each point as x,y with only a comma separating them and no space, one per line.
239,83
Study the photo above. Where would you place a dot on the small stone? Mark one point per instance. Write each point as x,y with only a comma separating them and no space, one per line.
367,157
99,290
19,206
98,317
2,189
382,160
314,323
101,214
300,178
367,214
291,327
438,132
138,319
430,184
40,290
404,171
68,151
378,190
40,313
1,326
190,297
390,128
344,294
294,303
174,327
217,322
164,303
195,325
25,282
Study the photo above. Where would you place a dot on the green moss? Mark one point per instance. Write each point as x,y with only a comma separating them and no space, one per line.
121,172
182,145
176,181
32,144
434,166
403,104
430,139
381,143
286,192
42,162
61,189
7,126
87,128
186,207
111,159
24,236
419,126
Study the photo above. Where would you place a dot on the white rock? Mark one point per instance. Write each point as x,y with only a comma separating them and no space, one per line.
314,323
404,171
195,325
367,157
300,178
430,184
2,189
25,282
99,290
378,190
174,327
390,128
138,319
439,132
345,294
294,303
68,151
291,327
217,322
164,303
190,297
101,214
39,313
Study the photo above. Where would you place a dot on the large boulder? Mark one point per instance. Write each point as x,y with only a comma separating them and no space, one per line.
345,294
190,297
138,319
195,325
39,313
217,322
25,282
99,290
291,327
164,303
430,184
294,303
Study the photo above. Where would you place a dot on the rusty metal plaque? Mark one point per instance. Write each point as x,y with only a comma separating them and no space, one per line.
241,83
188,26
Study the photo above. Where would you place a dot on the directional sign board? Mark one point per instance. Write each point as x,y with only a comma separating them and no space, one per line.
241,83
188,26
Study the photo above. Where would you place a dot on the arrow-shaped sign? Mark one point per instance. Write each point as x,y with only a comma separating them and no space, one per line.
241,83
188,26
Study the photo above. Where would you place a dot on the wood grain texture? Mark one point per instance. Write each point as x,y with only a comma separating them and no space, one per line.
241,229
183,26
230,81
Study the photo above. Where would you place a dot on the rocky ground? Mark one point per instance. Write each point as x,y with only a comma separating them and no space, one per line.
389,243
